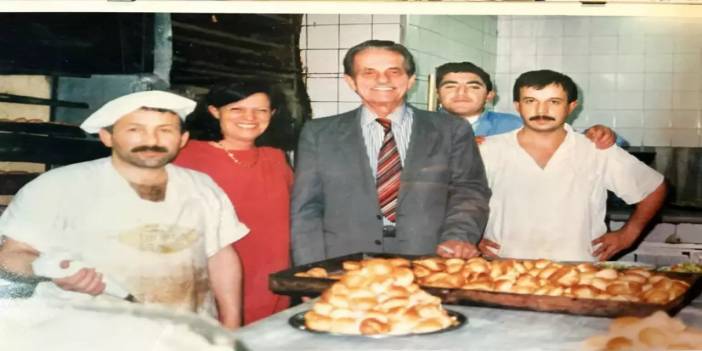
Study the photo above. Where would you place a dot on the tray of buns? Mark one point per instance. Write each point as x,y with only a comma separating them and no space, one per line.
538,285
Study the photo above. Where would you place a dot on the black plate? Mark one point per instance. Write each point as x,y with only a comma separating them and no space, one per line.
297,321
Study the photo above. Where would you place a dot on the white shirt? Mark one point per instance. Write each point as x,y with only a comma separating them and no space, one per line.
157,250
473,120
556,212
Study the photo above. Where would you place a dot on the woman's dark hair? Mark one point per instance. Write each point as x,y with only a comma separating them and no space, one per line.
203,126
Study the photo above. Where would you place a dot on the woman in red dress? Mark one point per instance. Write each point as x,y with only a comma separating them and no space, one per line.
258,180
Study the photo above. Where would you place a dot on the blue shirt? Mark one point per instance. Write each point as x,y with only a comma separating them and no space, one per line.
492,123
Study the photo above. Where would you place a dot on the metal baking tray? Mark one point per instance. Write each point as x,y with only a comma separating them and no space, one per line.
286,283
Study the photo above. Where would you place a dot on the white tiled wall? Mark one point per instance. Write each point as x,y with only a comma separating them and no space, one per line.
435,40
324,41
641,76
432,40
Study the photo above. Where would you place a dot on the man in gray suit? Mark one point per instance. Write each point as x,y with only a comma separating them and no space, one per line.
386,177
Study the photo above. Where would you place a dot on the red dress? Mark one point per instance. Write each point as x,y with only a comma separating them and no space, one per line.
259,187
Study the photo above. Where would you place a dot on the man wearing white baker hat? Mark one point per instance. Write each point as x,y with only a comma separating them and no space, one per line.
161,232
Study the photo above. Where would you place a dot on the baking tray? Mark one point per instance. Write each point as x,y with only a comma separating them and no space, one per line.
286,283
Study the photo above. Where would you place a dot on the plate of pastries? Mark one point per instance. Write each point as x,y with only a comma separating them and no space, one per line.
377,298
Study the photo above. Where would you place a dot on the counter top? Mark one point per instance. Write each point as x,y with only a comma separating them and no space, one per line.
667,215
486,329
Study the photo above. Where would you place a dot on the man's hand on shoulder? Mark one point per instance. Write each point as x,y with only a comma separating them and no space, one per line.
86,281
602,136
457,248
479,139
488,247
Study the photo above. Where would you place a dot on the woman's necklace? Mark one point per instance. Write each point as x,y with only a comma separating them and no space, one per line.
236,160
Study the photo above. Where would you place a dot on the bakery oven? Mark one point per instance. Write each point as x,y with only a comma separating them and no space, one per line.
52,144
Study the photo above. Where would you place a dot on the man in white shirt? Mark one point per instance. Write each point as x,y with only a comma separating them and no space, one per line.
161,232
550,184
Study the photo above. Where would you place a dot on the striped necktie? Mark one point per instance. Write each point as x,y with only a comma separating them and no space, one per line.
388,174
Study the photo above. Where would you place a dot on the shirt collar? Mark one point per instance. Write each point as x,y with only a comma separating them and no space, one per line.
397,116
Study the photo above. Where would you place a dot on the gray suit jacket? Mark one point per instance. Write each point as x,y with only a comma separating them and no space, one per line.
443,189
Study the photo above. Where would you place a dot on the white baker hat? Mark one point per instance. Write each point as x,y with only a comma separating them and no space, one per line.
109,113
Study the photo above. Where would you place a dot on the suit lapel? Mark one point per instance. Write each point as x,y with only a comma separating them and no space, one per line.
424,139
354,152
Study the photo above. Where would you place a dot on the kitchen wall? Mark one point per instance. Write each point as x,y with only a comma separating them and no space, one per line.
25,85
639,75
432,40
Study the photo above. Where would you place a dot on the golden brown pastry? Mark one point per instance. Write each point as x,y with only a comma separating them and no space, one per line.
655,332
381,298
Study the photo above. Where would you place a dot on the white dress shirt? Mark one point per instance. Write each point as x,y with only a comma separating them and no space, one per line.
556,211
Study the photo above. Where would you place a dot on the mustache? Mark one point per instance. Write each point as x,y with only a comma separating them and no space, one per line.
542,117
154,148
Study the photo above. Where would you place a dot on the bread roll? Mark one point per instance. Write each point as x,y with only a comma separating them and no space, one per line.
477,265
338,301
584,291
394,291
565,276
607,273
433,264
403,276
420,271
653,337
633,277
399,262
322,308
351,265
526,280
393,303
547,272
542,263
380,283
621,324
619,343
317,322
362,303
340,289
345,326
655,295
377,266
586,267
372,326
354,279
600,283
317,272
428,326
503,285
478,285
